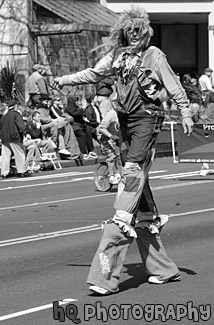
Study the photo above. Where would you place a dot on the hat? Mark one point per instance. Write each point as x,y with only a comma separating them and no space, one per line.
12,102
36,67
208,70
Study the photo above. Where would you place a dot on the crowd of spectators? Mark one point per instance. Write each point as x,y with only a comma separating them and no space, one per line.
49,124
70,129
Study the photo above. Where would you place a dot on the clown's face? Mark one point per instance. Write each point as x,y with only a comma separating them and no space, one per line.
134,37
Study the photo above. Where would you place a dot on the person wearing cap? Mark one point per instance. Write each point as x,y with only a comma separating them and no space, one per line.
12,131
205,81
142,76
36,85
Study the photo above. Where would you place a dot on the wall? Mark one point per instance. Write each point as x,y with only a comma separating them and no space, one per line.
13,31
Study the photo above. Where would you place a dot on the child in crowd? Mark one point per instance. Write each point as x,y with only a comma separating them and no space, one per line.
108,135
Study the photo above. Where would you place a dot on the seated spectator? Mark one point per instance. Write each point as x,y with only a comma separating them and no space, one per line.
52,127
84,138
71,143
33,128
33,155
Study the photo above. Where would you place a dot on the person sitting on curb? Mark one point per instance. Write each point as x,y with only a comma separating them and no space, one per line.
52,127
70,140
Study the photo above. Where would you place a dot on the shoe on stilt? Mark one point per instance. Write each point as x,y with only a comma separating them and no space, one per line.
100,290
155,280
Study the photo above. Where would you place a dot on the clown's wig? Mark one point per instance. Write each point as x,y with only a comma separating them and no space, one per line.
135,17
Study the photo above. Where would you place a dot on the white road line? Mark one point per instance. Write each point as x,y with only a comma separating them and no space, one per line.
50,233
104,194
42,236
45,184
190,212
35,178
185,174
35,309
89,178
17,241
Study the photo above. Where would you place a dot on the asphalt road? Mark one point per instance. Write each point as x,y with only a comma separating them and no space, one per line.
50,229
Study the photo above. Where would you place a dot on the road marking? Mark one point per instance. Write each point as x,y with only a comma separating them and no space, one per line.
35,178
170,176
58,182
45,184
50,235
104,194
35,309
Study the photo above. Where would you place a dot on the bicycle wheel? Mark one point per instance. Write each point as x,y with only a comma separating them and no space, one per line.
101,177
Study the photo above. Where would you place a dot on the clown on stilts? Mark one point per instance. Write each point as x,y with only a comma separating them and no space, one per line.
144,79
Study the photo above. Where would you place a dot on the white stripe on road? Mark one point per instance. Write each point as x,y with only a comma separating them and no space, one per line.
49,235
178,175
104,194
73,231
35,309
54,183
45,184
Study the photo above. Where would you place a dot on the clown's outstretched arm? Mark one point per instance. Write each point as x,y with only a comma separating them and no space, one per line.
176,91
88,76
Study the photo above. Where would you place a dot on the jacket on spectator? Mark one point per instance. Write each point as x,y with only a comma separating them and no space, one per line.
76,112
36,84
45,114
12,127
34,132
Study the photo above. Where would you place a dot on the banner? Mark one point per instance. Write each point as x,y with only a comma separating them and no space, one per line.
199,146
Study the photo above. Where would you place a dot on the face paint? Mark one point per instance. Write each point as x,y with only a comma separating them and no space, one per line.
134,37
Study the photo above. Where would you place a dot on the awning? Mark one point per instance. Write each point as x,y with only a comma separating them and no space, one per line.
82,15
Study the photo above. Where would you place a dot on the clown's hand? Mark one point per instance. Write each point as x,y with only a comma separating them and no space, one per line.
187,123
58,83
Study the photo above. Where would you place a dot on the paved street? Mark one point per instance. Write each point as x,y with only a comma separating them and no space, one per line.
50,229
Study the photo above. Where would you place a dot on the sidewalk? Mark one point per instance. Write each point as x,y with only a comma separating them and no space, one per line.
77,162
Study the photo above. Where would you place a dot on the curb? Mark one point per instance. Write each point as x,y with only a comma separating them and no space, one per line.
77,162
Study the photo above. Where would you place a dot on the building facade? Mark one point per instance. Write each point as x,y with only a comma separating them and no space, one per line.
61,33
184,30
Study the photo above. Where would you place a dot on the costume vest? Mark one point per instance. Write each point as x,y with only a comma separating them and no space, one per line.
132,98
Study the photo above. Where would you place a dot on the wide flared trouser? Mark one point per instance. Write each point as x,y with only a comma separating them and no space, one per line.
135,198
153,254
108,261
